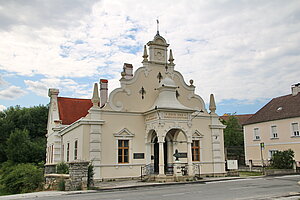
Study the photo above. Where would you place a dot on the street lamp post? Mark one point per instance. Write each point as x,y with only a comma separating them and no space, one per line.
262,146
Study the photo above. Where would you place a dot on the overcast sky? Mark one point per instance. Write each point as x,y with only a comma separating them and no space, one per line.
245,52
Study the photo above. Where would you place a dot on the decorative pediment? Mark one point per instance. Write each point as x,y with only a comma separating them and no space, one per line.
124,133
197,134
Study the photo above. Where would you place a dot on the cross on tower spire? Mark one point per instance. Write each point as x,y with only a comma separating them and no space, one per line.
157,22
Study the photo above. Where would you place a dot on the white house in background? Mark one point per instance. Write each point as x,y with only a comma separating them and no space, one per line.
276,125
142,123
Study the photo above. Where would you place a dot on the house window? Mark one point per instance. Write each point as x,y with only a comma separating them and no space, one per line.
295,130
123,151
271,153
68,152
196,150
75,149
256,134
274,133
63,152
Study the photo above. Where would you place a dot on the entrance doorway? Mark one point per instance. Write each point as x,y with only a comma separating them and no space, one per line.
156,156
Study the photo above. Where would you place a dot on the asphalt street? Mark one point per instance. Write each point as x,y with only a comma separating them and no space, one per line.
241,189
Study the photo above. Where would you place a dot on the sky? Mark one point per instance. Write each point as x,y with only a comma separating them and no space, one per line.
244,52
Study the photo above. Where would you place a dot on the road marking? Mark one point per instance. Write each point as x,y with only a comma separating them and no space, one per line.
173,194
245,187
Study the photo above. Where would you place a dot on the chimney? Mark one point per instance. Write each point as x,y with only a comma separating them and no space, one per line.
128,69
53,92
103,92
295,89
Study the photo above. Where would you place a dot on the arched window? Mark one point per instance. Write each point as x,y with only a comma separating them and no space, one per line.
75,149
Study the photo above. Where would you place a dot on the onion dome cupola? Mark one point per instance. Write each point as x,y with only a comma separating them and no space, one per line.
167,96
158,48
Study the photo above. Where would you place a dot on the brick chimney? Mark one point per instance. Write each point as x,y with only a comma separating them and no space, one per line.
103,92
295,89
128,69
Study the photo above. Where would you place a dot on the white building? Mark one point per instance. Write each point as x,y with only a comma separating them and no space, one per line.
142,123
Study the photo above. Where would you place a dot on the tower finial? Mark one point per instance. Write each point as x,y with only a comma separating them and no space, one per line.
212,104
95,99
171,59
157,23
145,56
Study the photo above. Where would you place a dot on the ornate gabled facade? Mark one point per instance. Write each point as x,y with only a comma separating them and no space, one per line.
140,124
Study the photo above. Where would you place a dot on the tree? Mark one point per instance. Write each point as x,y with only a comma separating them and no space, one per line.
283,159
234,138
20,149
32,119
20,178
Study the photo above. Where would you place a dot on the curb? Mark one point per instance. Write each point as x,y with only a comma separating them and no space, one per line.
165,184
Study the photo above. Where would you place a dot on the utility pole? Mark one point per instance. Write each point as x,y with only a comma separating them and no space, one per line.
262,146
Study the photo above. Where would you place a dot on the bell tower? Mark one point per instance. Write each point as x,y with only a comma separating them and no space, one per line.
158,48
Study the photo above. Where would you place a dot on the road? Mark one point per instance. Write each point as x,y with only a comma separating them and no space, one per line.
241,189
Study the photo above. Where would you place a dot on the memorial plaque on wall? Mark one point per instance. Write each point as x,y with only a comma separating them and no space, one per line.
138,156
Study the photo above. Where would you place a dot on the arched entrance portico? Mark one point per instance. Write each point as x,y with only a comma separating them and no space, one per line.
161,149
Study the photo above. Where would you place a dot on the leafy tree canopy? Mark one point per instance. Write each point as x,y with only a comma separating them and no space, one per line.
33,119
283,159
233,133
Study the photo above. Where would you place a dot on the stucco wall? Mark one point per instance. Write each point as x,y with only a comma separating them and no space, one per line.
284,141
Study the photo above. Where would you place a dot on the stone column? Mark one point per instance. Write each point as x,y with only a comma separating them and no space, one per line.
189,159
161,159
148,153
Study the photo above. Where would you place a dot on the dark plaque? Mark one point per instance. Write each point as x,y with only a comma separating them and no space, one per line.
182,155
138,156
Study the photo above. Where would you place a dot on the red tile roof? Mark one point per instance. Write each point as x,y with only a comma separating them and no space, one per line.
278,108
71,109
241,118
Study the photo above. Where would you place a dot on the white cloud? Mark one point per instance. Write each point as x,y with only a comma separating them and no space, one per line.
237,50
2,107
65,85
12,93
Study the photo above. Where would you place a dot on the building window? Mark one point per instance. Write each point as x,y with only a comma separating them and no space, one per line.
63,152
274,133
295,130
271,153
52,153
123,151
68,152
75,149
196,150
256,134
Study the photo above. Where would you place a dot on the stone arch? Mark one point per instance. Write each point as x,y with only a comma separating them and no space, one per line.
175,132
151,136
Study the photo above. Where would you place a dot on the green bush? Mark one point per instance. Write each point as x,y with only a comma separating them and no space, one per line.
20,178
90,176
62,168
283,159
61,185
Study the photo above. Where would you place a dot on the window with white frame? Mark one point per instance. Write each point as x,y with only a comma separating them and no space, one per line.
274,133
256,135
272,152
123,151
295,129
68,152
195,150
75,149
